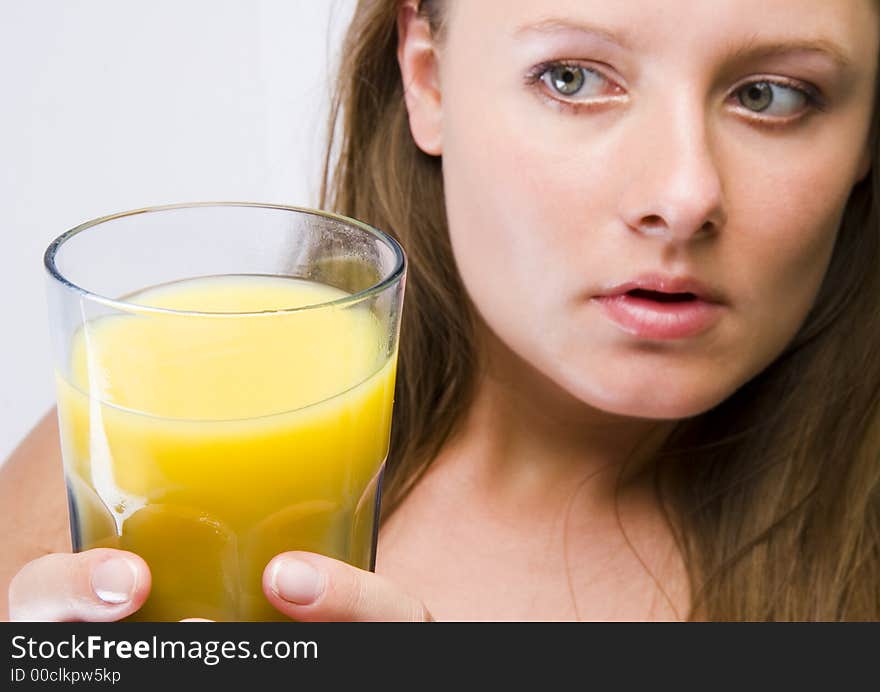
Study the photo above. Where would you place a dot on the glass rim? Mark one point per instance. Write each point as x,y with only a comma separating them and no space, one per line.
394,275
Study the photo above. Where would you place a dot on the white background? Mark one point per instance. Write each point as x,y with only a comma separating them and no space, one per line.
110,105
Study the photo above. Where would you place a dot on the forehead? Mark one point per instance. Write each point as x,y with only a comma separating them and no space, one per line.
655,26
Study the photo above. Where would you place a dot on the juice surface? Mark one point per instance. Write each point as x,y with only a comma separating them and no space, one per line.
209,443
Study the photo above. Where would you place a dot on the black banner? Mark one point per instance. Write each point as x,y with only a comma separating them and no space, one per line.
136,655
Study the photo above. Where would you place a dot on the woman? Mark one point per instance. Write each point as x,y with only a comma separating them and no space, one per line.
638,376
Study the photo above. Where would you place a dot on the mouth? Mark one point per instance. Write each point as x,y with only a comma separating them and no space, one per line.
660,296
661,308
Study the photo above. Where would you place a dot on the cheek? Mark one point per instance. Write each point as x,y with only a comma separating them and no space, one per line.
779,241
525,196
521,210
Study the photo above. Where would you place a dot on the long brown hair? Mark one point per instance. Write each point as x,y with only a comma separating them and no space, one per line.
774,494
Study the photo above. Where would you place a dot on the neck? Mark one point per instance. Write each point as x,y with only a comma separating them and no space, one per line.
525,438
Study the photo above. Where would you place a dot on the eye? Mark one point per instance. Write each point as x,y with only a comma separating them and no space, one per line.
569,81
771,98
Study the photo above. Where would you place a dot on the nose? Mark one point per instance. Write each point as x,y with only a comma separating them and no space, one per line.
674,188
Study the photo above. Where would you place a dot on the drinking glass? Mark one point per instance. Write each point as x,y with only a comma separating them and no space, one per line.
225,380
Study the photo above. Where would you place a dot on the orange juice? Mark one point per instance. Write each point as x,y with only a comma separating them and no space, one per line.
208,443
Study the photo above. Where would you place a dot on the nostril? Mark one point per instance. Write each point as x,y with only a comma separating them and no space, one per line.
656,225
652,225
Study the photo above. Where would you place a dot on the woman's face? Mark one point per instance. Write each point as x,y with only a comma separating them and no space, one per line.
605,162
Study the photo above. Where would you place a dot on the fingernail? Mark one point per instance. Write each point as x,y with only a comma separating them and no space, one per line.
296,581
113,581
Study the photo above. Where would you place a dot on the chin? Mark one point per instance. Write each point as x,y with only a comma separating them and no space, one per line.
669,401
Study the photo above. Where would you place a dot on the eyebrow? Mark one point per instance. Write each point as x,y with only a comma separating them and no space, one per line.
553,25
753,48
822,47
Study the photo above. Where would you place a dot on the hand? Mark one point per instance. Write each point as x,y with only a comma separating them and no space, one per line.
98,585
102,585
309,587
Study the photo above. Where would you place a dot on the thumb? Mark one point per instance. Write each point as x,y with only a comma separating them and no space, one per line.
98,585
312,587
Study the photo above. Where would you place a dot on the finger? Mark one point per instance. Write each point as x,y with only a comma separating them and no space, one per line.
311,587
97,585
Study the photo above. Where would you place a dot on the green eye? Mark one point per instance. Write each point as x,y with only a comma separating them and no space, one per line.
567,80
572,83
756,97
778,100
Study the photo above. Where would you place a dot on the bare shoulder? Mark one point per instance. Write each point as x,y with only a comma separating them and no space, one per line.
34,501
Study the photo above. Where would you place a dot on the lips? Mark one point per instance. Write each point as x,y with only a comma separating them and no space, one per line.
662,307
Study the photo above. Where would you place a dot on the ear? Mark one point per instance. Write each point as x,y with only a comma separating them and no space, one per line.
418,59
